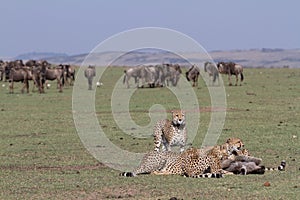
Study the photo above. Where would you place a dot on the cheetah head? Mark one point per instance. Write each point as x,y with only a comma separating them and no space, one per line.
235,143
178,117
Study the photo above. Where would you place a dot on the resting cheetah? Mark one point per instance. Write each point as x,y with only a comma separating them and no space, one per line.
233,144
170,133
192,162
207,163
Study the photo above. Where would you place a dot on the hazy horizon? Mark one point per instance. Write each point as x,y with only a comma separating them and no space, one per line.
76,27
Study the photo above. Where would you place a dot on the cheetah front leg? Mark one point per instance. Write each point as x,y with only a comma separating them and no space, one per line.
157,142
166,145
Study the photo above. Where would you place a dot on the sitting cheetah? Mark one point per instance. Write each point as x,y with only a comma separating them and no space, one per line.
170,132
192,162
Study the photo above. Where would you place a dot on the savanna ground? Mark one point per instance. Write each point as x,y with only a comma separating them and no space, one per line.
42,157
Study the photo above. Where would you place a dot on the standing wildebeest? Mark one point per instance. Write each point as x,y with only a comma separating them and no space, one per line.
212,71
52,74
90,73
18,74
38,78
231,68
172,73
135,72
35,73
2,69
142,72
69,73
192,75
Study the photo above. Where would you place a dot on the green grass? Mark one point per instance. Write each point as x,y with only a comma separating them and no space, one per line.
42,157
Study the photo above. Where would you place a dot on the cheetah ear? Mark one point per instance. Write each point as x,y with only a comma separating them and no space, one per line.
228,140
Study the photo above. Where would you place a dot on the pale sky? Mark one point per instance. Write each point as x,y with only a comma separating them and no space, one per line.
77,26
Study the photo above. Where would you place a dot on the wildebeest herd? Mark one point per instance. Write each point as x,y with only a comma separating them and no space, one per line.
39,71
153,75
160,75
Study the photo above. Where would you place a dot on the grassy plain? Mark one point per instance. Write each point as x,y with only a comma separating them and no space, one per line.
42,157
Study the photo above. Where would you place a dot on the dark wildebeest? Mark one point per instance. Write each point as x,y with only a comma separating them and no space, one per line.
69,74
212,71
90,73
231,68
18,74
31,63
192,75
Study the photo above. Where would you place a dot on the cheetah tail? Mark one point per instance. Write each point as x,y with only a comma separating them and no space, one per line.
208,175
281,167
127,174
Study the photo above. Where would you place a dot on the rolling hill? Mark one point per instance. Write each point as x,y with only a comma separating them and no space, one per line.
274,58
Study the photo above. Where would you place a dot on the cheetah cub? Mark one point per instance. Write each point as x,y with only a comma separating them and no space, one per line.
171,132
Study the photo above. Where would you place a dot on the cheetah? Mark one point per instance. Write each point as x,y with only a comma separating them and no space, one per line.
192,162
170,132
172,163
234,145
207,165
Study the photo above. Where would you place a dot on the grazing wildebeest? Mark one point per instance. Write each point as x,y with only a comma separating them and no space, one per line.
90,73
192,75
212,71
18,74
231,68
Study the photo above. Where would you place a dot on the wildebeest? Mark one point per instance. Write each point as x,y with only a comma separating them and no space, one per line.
69,73
18,74
31,63
38,78
153,75
212,71
192,75
52,74
2,70
132,72
90,73
231,68
171,74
